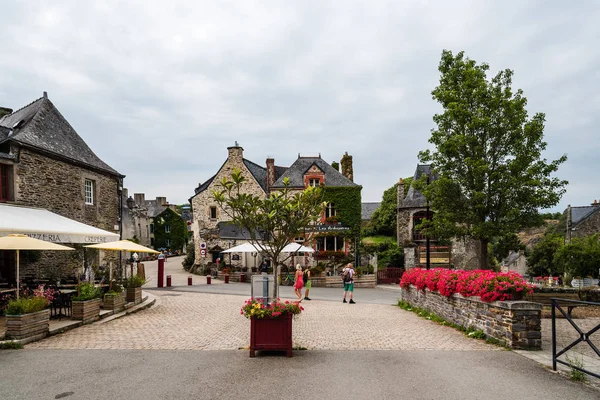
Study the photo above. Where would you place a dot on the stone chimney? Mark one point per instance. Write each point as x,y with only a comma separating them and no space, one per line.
236,153
400,191
270,173
161,201
125,193
140,199
346,163
45,95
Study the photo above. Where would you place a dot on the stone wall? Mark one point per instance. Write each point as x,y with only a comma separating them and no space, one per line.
205,228
465,253
404,226
515,323
59,187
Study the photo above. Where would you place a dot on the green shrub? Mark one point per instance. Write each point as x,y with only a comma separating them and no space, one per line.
26,305
190,256
10,345
88,291
134,281
588,294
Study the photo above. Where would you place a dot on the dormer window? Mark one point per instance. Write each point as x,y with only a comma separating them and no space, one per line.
314,182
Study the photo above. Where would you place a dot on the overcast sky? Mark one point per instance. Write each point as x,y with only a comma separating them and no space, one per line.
159,90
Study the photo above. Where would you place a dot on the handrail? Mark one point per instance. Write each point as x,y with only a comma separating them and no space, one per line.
583,336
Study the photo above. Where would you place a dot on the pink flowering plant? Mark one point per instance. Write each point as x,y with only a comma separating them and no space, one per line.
488,285
257,309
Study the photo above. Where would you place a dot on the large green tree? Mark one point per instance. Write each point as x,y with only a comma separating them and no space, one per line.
542,261
273,221
383,220
580,257
492,177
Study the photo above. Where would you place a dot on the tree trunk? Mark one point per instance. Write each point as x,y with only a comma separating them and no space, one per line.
483,254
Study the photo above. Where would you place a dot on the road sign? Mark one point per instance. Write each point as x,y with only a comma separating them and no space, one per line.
203,245
203,252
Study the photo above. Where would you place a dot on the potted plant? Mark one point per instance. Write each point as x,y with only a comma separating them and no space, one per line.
29,315
114,299
270,324
86,303
133,286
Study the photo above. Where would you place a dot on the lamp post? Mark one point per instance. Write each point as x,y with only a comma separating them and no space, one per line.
427,233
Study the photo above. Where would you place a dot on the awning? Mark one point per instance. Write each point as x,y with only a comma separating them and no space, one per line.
45,225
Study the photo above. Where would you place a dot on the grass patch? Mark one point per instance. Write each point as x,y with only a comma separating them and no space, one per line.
470,332
10,346
299,348
575,374
376,240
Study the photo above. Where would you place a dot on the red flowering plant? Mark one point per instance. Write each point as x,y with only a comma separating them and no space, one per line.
488,285
258,309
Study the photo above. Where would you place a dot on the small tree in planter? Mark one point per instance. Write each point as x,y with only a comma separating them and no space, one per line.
29,315
86,304
133,286
272,222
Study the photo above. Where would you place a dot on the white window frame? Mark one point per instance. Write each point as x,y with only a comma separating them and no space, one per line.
167,228
89,192
330,210
314,182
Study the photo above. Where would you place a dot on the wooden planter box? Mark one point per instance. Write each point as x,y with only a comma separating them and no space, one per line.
86,311
271,334
115,303
26,325
134,295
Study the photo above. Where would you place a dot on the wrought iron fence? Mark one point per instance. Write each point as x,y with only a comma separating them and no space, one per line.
584,337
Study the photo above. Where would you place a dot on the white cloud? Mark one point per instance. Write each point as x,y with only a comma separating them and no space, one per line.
160,89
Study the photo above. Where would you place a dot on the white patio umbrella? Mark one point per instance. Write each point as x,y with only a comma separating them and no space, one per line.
297,248
246,248
23,242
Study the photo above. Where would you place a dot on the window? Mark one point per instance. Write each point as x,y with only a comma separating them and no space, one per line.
5,181
330,210
151,241
213,212
89,191
314,182
330,243
418,218
151,228
168,242
167,228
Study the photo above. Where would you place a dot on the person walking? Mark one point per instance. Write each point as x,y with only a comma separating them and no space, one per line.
348,279
298,282
307,282
264,268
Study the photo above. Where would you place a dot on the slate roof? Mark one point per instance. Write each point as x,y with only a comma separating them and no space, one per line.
368,209
228,230
7,156
259,173
511,258
578,214
154,210
414,198
41,126
296,171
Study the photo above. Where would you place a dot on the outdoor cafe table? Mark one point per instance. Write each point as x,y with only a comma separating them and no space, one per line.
62,301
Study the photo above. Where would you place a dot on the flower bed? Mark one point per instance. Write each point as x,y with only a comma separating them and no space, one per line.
257,309
489,286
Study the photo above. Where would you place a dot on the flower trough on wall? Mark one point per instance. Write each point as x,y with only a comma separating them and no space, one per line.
488,285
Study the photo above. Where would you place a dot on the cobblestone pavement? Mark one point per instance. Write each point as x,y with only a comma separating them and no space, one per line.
202,321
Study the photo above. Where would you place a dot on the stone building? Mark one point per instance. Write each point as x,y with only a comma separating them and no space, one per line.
460,253
44,163
582,221
141,222
210,224
515,261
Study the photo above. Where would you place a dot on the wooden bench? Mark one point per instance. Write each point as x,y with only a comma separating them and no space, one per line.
546,299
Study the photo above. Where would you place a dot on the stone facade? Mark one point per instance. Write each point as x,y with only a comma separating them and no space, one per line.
516,261
205,227
582,221
515,323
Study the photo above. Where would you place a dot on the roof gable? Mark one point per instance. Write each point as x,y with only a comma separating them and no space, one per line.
296,171
41,126
414,198
578,214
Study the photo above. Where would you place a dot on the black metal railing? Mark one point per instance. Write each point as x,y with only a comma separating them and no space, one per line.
584,337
